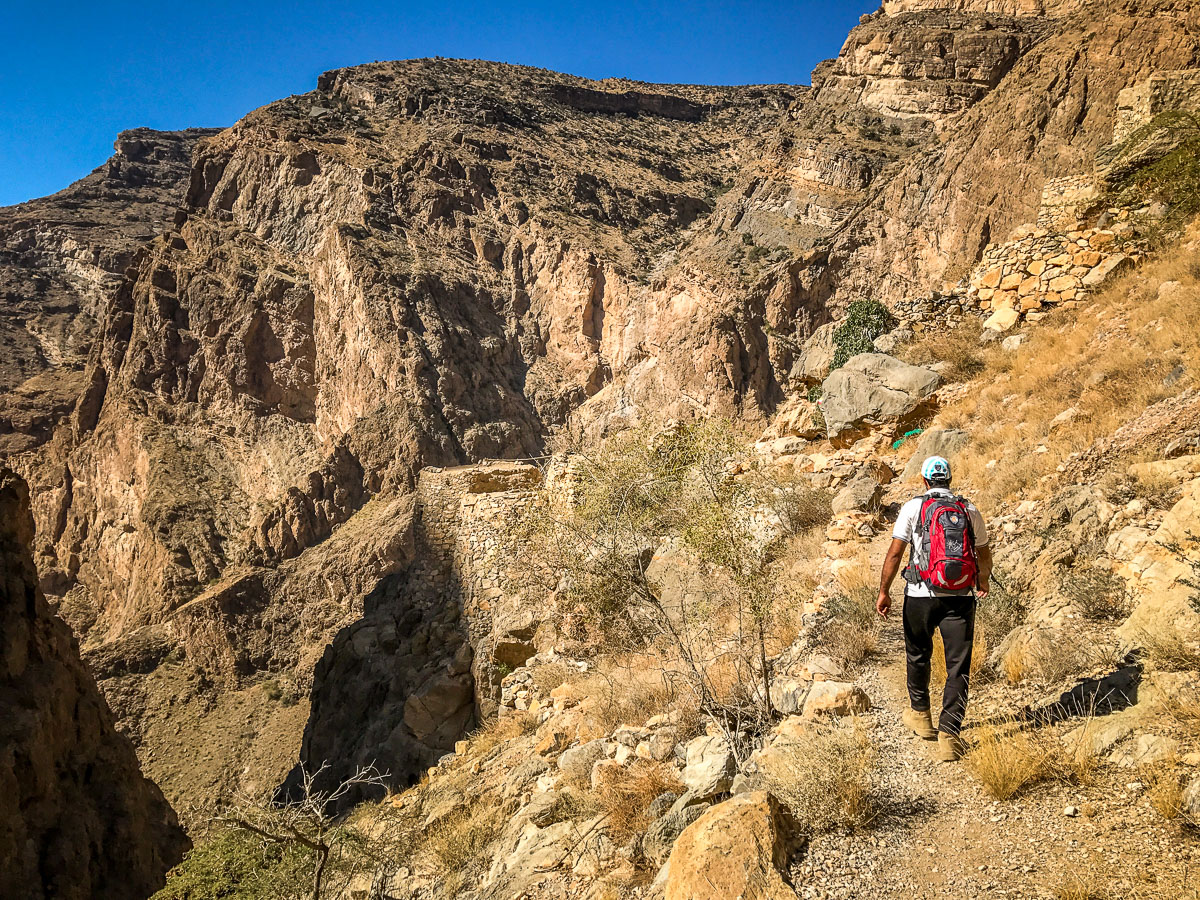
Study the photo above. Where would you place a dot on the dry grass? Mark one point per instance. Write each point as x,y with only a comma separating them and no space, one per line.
829,779
453,846
959,349
1101,596
1164,788
1168,650
630,688
1007,760
852,645
506,728
1109,361
1081,886
626,803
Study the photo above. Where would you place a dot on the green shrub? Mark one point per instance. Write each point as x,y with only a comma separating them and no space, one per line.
865,321
233,863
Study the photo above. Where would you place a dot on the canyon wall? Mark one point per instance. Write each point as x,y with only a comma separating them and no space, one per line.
77,818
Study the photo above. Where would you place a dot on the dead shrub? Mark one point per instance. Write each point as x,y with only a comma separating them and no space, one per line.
852,645
1101,596
999,613
829,778
937,662
1006,760
958,348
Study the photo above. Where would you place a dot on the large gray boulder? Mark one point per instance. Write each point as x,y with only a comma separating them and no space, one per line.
816,356
873,388
945,442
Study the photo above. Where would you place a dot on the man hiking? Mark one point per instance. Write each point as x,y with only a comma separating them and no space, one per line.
949,566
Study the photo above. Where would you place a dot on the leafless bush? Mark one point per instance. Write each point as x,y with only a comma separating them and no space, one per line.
1099,595
308,822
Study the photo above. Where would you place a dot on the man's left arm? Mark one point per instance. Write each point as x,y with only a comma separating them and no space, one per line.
983,554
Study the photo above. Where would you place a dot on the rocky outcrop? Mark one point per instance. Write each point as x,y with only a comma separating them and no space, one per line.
77,818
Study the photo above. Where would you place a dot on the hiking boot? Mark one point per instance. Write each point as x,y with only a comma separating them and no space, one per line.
950,747
920,723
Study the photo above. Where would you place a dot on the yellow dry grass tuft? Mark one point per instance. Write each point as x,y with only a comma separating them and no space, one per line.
1164,788
1006,760
507,728
452,847
1081,886
625,803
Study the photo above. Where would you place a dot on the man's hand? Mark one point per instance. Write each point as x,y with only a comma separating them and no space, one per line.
884,604
981,591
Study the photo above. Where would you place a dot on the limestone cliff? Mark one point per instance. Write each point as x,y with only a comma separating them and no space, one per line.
77,818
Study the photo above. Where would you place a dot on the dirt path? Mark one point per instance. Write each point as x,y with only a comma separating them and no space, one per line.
941,836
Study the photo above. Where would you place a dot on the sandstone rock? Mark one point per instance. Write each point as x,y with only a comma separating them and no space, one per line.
835,698
945,442
736,849
816,356
1171,291
1114,265
1144,750
1191,800
788,693
710,766
872,388
1002,319
1012,342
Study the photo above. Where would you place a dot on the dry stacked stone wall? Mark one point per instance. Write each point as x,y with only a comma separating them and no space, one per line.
1138,105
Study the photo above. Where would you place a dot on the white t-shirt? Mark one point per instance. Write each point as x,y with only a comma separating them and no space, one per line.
906,524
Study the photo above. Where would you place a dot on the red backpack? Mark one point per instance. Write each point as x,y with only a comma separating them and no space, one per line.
947,544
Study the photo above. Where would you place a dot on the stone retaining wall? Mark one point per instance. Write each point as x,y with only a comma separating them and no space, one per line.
1137,105
1063,199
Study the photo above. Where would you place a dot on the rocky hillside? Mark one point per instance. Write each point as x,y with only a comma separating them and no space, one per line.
77,818
250,501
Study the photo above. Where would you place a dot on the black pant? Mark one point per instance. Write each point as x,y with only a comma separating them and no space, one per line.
955,618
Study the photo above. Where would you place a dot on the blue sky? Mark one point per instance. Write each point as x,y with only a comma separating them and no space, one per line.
76,73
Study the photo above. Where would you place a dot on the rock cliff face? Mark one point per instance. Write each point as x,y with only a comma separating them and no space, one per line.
77,818
60,259
435,262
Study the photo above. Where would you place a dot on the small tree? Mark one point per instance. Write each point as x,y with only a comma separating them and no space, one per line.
687,489
306,823
865,321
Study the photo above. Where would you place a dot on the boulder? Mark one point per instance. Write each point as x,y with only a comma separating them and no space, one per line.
438,711
816,356
578,761
872,388
1145,750
1191,800
661,835
835,698
736,849
860,495
1001,320
788,693
799,418
946,442
710,766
